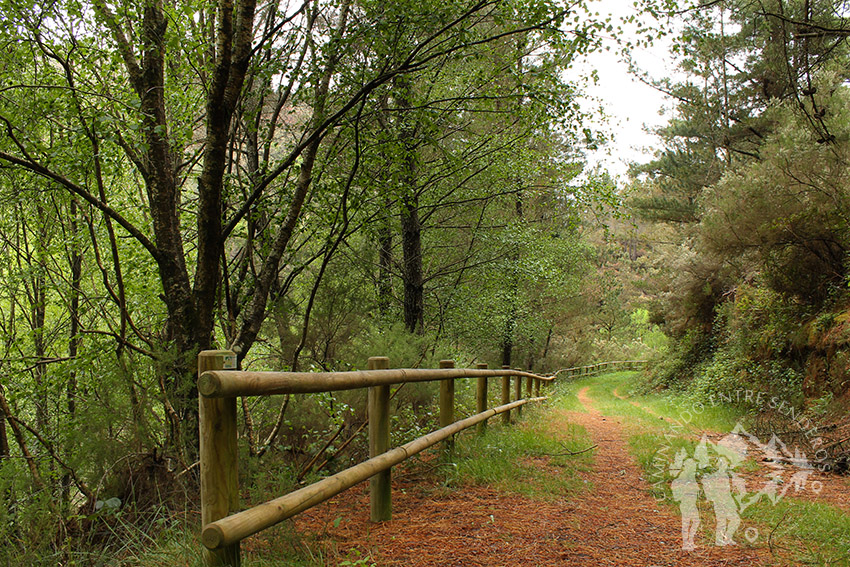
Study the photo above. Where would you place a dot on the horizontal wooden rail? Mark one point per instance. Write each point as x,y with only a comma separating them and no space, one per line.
599,367
237,527
233,383
224,526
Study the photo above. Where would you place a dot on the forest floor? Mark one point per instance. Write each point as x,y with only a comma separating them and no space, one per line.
617,518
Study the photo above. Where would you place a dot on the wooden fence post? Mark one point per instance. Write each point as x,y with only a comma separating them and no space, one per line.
506,395
218,456
518,393
447,407
528,387
537,387
481,397
379,442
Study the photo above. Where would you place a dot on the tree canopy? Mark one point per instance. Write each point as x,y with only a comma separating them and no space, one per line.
295,181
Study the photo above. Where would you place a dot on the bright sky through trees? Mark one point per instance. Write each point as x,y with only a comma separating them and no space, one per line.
633,107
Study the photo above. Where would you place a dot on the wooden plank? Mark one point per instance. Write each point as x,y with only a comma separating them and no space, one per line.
226,384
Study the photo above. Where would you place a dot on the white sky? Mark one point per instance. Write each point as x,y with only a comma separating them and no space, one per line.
631,105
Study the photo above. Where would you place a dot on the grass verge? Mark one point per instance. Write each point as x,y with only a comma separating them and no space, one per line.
808,533
538,457
796,532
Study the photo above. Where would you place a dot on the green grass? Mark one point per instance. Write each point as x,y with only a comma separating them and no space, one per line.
510,458
691,414
807,533
799,532
654,453
563,396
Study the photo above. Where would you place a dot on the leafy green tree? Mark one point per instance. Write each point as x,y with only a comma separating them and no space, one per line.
763,238
748,66
153,97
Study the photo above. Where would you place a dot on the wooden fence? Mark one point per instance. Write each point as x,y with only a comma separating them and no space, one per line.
219,384
600,368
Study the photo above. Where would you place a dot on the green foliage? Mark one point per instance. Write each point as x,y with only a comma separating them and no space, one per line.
751,189
745,357
726,375
355,559
393,341
522,292
119,175
648,333
820,406
26,520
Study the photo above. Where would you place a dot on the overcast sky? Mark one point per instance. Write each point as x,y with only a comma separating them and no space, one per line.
631,105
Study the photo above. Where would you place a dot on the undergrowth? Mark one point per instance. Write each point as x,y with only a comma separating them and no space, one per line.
538,457
812,533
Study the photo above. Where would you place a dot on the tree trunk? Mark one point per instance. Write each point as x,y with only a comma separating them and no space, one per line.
411,242
411,227
508,339
190,309
4,438
76,265
547,345
21,440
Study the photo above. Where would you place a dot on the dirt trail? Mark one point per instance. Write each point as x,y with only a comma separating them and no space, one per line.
614,522
622,523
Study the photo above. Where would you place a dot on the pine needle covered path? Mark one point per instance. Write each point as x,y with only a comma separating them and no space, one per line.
614,521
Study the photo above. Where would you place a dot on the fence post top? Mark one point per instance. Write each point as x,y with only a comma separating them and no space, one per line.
227,357
481,365
447,364
379,362
221,352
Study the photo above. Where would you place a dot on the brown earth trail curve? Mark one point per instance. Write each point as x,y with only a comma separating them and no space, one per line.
619,522
614,522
